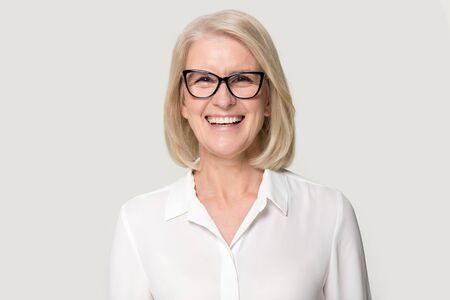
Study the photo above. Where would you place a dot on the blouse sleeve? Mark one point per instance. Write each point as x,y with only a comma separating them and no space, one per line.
127,280
347,274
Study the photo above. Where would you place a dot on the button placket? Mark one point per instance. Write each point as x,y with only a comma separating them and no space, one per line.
229,284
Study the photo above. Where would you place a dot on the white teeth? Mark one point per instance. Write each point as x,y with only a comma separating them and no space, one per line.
225,120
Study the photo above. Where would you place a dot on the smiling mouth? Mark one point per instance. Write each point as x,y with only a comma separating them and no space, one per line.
224,120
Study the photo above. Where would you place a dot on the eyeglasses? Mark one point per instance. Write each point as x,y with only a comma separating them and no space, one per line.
204,84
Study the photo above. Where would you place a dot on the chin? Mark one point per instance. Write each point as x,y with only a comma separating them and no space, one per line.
225,152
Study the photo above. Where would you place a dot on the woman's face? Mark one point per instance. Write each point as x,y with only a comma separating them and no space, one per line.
223,55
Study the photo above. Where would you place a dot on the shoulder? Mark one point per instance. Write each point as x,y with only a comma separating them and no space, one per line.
296,180
307,191
148,206
321,203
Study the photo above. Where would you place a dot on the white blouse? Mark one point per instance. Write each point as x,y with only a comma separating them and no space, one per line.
299,241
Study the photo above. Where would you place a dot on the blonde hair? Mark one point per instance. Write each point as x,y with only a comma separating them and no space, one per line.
277,136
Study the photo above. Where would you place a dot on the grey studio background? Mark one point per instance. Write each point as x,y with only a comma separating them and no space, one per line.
82,85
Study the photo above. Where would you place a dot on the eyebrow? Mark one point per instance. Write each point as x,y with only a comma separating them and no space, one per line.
230,73
245,70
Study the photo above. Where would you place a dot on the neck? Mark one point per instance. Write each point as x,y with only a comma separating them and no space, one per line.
226,180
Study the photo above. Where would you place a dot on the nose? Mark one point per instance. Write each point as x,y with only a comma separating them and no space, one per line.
223,98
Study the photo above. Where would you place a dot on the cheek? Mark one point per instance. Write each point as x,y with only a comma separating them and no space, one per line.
187,106
192,108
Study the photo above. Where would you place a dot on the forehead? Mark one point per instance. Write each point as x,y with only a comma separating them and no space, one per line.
220,54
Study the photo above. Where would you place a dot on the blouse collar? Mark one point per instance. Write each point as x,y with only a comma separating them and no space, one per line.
182,197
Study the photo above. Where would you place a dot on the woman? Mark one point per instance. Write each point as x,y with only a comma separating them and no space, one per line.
237,225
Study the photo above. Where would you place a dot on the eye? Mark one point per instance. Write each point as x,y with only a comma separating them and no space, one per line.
203,79
243,78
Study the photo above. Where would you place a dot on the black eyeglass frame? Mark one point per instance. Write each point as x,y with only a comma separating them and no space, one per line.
225,79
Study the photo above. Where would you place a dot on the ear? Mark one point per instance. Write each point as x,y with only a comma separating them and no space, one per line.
267,109
184,112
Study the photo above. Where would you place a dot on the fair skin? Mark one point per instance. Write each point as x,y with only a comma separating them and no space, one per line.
225,183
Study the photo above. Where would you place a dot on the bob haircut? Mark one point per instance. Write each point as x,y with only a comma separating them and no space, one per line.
277,135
